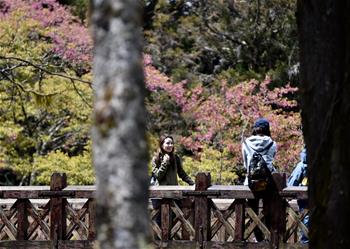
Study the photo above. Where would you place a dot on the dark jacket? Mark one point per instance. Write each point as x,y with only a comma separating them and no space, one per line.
166,172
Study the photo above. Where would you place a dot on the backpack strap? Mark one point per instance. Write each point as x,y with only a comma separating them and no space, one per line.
269,146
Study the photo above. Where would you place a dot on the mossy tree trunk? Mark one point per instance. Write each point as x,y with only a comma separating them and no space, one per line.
324,36
119,144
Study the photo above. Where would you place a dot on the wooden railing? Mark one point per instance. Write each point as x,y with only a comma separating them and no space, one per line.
207,216
54,216
204,216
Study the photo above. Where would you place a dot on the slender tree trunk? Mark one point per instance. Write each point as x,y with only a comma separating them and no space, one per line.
119,144
324,36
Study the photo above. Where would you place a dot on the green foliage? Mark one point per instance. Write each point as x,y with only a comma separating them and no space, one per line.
79,169
219,164
207,43
200,84
209,38
45,106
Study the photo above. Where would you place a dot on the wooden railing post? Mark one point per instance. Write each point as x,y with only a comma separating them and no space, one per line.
165,219
22,219
202,208
58,219
277,206
239,219
92,219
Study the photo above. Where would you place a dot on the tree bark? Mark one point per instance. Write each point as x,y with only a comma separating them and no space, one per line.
119,144
324,30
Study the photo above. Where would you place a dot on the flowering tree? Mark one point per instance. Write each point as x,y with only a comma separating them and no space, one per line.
46,98
45,91
221,118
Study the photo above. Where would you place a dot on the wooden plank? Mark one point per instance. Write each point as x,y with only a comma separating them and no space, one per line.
202,209
22,194
39,194
180,215
84,194
175,230
38,220
25,244
235,245
259,223
12,229
176,244
168,194
155,228
4,231
295,192
75,244
76,222
249,230
23,188
81,188
233,191
187,208
58,220
22,219
165,219
294,246
292,226
239,219
222,219
275,210
92,219
217,224
62,244
298,219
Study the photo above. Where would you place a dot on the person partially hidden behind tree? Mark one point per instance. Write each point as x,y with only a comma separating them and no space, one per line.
259,151
166,166
299,178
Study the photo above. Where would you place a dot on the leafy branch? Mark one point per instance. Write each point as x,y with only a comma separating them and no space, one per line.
28,63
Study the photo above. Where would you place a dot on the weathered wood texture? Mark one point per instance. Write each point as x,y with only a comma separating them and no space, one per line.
190,217
222,245
220,217
49,217
61,244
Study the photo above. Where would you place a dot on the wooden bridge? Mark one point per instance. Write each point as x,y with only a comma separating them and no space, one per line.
204,216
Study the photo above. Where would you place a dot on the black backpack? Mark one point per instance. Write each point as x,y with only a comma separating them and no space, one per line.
259,175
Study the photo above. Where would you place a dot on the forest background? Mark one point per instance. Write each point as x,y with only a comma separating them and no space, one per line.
211,69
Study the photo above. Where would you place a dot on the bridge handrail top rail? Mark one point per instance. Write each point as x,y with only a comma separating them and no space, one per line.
88,191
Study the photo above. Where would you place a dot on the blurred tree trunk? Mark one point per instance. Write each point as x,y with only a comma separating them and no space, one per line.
119,144
324,36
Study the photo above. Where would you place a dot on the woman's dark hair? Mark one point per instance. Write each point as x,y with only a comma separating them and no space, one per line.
261,131
161,141
161,152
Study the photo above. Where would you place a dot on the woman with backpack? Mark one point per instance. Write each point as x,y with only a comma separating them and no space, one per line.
258,152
